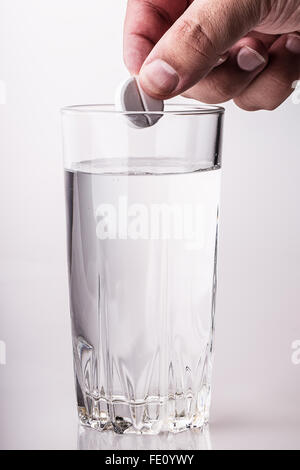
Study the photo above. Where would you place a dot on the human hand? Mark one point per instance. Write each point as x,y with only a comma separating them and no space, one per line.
215,50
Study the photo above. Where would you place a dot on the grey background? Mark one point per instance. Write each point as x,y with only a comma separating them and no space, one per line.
59,52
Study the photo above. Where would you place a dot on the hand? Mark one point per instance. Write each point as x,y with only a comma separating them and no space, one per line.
215,50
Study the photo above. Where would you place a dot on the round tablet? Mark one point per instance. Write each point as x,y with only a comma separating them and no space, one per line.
130,97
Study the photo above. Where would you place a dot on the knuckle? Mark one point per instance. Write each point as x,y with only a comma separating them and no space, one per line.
253,106
194,36
159,11
269,96
279,82
271,106
247,105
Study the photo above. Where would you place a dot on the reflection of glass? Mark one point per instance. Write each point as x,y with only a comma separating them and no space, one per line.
194,439
142,229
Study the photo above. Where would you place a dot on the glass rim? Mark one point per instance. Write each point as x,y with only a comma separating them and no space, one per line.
177,109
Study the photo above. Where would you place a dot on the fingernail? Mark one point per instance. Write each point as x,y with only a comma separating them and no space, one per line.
159,77
249,60
293,44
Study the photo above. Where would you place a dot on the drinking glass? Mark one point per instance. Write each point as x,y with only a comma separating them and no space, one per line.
142,216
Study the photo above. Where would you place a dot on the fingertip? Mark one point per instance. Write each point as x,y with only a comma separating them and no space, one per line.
135,51
251,54
249,59
293,44
159,79
274,84
133,60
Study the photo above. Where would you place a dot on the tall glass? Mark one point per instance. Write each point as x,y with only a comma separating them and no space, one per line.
142,209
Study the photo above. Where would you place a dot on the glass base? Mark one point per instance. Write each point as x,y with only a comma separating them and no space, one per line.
152,417
191,440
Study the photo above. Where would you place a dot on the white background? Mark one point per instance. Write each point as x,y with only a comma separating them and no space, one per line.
59,52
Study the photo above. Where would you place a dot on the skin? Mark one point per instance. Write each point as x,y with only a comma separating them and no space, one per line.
202,41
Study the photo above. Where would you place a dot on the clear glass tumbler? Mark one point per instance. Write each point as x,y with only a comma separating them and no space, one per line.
142,209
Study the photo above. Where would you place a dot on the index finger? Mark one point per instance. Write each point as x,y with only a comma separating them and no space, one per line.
146,22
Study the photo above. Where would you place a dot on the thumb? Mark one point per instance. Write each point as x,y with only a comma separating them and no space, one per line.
196,42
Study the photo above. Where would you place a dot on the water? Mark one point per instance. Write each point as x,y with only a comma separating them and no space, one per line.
142,259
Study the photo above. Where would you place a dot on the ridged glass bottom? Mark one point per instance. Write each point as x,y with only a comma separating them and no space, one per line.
191,440
153,416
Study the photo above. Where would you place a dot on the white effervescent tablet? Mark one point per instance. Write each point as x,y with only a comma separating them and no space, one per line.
130,97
